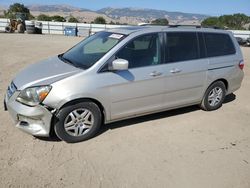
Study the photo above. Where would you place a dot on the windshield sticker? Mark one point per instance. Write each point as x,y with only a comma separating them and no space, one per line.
116,36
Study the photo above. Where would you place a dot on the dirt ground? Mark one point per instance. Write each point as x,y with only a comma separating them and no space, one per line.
181,148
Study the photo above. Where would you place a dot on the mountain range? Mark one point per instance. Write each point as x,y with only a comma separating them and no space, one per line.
122,15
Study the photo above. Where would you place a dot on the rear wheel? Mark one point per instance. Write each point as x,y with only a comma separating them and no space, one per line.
20,28
214,96
78,122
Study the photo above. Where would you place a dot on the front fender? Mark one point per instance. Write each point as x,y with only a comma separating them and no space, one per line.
81,97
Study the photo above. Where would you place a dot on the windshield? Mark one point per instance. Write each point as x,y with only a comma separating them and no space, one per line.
89,51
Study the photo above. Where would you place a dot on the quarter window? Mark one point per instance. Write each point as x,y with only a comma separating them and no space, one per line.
142,51
181,46
218,44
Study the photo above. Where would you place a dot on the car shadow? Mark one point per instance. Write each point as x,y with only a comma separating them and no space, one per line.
155,116
150,117
52,138
141,119
229,98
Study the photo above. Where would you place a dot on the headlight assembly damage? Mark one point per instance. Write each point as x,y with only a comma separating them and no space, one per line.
34,95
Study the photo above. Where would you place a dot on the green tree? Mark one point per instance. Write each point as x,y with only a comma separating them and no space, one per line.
58,18
117,23
235,21
112,23
20,9
73,20
43,17
100,20
239,21
211,21
31,17
160,21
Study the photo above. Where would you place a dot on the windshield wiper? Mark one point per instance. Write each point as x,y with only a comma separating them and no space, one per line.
71,62
66,60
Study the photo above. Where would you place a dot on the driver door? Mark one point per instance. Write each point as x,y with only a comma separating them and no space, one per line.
139,89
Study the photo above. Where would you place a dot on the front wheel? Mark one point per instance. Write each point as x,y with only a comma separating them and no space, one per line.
78,122
214,96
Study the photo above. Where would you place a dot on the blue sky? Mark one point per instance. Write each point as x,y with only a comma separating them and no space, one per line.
210,7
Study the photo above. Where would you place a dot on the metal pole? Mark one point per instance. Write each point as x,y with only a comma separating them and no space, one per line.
62,28
48,28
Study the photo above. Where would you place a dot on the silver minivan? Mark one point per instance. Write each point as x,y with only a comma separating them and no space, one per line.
123,73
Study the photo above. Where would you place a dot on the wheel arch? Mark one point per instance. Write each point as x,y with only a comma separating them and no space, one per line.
207,107
222,80
75,101
78,100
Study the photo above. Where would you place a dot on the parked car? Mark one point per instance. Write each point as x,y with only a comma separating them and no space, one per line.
241,41
248,42
123,73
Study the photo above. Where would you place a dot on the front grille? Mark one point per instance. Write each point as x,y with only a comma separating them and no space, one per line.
11,89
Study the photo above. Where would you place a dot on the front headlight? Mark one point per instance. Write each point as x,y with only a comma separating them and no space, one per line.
34,95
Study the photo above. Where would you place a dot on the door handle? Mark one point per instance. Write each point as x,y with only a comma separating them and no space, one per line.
155,73
175,71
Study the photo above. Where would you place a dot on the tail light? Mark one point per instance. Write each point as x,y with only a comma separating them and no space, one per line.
241,64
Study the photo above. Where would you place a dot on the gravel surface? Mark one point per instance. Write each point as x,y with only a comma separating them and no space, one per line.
180,148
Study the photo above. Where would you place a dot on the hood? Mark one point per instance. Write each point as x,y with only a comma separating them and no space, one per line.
44,73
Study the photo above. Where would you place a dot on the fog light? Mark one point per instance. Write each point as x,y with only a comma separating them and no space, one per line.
24,123
22,118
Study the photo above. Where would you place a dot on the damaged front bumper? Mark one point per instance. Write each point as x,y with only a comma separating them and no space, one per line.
33,120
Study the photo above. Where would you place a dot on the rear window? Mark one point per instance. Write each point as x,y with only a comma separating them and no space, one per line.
181,46
218,44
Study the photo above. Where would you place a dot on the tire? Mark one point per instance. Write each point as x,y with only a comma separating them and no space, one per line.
214,96
7,29
20,28
78,122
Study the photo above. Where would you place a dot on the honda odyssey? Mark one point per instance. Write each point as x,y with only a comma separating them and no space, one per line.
123,73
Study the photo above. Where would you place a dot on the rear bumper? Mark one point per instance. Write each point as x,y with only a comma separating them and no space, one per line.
32,120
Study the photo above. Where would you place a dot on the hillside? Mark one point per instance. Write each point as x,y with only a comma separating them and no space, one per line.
55,8
82,16
122,15
150,14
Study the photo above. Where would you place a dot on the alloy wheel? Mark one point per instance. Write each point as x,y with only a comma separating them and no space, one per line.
79,122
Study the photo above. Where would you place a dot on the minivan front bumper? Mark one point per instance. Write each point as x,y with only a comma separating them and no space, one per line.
33,120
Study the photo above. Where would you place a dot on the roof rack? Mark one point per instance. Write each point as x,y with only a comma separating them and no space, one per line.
196,26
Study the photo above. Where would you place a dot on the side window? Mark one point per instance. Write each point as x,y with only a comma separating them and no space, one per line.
181,46
218,44
142,51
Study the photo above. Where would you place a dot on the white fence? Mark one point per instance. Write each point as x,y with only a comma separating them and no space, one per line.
58,27
241,33
86,29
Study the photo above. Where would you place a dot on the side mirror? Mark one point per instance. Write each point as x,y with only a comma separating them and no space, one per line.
120,64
